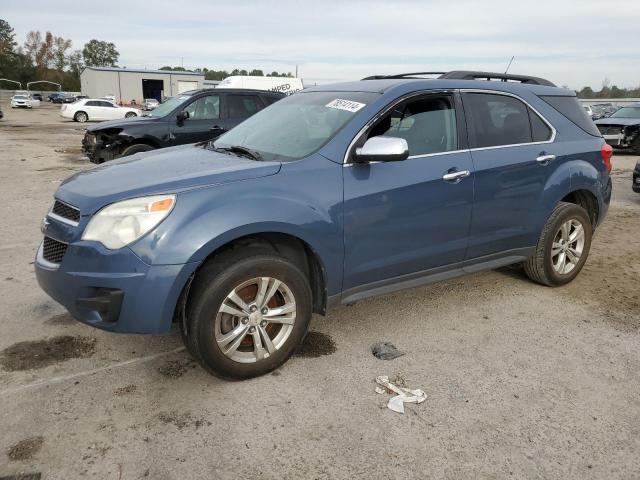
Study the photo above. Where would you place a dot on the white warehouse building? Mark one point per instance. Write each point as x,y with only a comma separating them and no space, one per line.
130,84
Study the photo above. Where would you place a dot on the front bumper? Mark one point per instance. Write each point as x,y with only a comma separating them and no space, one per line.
113,290
94,149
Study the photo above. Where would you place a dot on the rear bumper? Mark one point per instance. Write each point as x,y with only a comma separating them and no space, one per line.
114,290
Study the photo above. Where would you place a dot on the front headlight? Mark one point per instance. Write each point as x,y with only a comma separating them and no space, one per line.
121,223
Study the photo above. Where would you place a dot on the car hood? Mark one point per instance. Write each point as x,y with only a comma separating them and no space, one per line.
121,123
618,121
170,170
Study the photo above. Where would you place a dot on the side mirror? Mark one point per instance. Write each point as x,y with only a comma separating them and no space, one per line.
182,116
382,149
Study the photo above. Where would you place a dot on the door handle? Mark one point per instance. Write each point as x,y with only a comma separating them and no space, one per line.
455,177
545,159
216,128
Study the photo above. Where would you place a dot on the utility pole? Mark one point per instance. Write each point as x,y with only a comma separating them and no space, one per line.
296,70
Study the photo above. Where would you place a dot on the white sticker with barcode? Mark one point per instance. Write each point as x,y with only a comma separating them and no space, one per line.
348,105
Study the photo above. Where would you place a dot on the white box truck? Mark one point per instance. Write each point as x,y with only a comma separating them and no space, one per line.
274,84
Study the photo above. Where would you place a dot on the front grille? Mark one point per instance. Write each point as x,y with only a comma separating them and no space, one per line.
66,211
609,130
53,250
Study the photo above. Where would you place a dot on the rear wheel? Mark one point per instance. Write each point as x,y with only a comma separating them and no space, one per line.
248,311
130,115
137,148
562,248
81,117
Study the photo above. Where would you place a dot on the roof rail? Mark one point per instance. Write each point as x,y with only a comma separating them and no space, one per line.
503,77
402,75
470,75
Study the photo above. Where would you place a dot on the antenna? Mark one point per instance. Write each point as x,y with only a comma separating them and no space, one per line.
508,66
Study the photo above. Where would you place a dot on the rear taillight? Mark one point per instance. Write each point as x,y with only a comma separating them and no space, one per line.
607,152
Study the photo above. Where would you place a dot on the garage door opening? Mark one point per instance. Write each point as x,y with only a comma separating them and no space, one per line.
152,89
185,85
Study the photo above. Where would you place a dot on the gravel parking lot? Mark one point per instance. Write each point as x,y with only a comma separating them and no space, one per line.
522,381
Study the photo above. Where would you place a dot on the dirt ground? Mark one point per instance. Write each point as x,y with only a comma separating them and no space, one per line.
522,381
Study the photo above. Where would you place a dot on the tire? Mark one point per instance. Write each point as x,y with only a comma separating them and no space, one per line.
136,148
130,115
81,117
236,271
555,261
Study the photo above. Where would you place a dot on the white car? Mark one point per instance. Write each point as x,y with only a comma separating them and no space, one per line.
92,109
24,101
150,104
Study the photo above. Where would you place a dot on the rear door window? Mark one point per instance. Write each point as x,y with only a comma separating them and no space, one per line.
571,108
242,106
496,120
540,131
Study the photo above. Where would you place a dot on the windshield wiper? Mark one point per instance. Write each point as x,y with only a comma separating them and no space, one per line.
239,149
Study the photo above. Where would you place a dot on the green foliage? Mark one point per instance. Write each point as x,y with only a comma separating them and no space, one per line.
7,38
97,53
609,92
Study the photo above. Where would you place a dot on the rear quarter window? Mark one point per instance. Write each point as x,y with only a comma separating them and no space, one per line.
571,108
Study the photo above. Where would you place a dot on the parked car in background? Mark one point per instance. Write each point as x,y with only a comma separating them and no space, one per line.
64,98
150,104
36,96
97,110
193,116
81,97
327,197
285,85
621,130
1,114
24,101
589,110
54,95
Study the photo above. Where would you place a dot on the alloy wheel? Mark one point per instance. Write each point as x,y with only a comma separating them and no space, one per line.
255,319
567,247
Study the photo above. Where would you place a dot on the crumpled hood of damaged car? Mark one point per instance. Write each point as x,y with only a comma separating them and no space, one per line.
169,170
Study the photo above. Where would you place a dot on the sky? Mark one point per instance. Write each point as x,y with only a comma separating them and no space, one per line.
575,43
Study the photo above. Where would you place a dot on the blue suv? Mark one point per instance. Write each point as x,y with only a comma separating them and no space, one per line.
328,197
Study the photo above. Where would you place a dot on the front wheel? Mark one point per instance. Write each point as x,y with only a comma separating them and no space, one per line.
130,115
562,248
247,313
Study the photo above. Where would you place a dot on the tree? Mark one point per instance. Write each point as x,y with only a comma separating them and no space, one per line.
7,38
60,47
97,53
75,63
32,45
256,73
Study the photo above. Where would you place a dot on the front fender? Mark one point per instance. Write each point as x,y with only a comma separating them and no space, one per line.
205,219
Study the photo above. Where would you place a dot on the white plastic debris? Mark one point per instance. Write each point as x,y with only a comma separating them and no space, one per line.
404,395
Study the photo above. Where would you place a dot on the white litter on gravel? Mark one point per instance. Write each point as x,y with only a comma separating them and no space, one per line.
404,395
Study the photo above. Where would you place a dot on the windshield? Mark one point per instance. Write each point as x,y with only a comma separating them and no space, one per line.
167,107
627,112
296,126
20,97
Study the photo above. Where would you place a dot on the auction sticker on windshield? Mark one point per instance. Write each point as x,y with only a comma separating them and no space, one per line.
348,105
